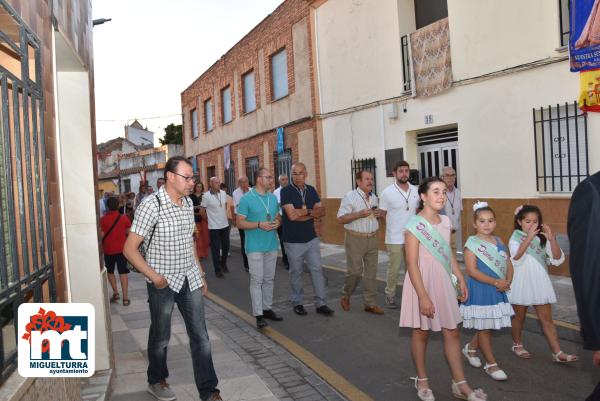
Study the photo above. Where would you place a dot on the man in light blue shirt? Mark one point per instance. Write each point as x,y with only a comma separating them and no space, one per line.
258,215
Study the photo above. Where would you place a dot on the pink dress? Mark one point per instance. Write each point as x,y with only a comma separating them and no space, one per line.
439,288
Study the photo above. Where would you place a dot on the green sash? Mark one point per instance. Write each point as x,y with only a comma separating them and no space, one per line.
488,253
534,249
433,241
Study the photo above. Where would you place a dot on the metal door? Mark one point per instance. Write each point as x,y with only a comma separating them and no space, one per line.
436,150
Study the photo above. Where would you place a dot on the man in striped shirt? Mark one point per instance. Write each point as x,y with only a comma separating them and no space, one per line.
359,213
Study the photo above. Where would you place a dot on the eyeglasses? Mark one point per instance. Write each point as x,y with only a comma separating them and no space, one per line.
268,177
188,179
295,174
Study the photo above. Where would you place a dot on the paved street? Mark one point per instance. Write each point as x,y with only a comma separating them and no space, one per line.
373,354
250,366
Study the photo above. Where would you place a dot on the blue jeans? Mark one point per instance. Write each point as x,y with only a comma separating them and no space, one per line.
191,306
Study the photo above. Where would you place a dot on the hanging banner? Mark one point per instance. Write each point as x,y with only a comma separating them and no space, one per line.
227,156
280,143
584,42
589,90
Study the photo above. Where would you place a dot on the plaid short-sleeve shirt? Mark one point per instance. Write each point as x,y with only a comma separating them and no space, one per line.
171,251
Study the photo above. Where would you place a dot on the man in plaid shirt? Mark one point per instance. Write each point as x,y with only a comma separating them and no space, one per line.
164,223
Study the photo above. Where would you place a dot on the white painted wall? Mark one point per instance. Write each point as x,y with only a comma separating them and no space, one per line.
495,125
138,136
78,200
491,35
359,53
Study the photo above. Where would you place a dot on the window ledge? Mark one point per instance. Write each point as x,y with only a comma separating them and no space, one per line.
555,195
209,131
562,49
280,98
248,112
228,122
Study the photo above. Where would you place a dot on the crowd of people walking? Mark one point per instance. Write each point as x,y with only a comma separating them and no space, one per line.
174,228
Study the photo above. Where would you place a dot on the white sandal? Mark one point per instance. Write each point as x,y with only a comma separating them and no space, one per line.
476,395
569,357
424,394
473,360
522,353
499,374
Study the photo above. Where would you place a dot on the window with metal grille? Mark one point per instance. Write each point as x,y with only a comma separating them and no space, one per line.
127,185
283,164
249,92
406,64
230,180
194,123
564,12
226,105
561,147
26,264
208,117
279,74
211,171
252,165
392,156
364,164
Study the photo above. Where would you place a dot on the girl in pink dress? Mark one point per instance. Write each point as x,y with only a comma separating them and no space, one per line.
429,297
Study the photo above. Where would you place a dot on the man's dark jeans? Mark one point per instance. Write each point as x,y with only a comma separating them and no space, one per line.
243,241
191,306
219,247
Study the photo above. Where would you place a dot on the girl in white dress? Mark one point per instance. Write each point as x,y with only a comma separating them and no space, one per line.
532,247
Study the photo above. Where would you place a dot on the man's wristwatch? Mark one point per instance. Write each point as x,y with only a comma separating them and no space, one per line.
258,225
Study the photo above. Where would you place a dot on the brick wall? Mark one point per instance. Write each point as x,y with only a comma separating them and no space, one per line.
270,36
253,147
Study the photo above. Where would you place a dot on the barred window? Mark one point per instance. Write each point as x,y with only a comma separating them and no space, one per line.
364,164
564,15
252,165
26,265
407,85
561,147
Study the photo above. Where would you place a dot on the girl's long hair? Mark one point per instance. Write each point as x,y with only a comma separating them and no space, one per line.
521,215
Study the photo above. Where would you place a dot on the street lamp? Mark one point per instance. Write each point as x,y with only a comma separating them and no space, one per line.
100,21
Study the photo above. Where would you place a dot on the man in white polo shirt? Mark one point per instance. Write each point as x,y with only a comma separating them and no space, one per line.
400,201
214,209
241,190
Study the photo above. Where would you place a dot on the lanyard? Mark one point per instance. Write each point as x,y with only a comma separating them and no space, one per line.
263,203
302,193
367,204
451,201
218,196
406,198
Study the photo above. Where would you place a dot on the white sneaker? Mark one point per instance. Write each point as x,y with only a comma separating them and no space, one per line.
497,374
473,360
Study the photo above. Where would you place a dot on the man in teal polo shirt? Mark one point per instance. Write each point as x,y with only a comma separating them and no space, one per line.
258,215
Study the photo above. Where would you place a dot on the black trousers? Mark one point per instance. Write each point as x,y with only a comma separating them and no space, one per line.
219,247
280,235
243,240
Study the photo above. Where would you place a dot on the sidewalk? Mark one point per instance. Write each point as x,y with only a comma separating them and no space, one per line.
250,366
334,257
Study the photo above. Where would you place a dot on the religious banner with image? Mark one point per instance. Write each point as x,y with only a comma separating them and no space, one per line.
584,41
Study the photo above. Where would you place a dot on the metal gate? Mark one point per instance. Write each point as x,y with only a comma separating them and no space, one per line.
436,150
252,165
283,165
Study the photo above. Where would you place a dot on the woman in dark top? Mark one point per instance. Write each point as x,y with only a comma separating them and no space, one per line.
201,237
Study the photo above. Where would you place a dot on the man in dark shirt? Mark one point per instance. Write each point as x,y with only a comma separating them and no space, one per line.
301,205
584,238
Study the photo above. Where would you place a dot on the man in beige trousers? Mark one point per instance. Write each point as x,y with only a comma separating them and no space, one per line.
359,213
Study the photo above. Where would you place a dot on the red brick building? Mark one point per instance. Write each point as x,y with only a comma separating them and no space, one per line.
264,83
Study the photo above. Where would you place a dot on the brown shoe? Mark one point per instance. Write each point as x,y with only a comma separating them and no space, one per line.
376,310
215,397
345,303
